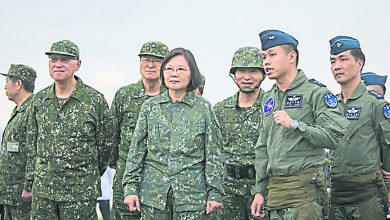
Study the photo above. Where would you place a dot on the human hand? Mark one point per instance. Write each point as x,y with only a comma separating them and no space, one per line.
26,196
282,118
132,201
212,206
256,206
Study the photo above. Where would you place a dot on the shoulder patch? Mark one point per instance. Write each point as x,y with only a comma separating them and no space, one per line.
316,82
375,94
330,100
386,111
268,106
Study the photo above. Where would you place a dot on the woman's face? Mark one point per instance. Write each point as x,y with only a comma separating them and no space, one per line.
177,74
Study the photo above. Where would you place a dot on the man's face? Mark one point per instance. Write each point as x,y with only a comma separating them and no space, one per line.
62,68
345,67
150,67
276,62
248,77
11,88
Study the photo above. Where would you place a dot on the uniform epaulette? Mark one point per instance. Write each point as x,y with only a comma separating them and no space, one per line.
316,82
375,94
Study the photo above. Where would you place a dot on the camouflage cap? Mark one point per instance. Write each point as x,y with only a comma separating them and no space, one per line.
247,57
64,47
154,48
22,71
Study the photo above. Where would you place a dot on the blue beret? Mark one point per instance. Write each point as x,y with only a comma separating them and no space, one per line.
272,38
342,43
370,78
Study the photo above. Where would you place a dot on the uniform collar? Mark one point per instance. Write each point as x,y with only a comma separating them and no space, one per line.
188,99
232,102
298,80
77,93
25,104
358,92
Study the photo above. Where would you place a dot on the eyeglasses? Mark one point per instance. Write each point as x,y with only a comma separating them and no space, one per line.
150,60
179,70
61,59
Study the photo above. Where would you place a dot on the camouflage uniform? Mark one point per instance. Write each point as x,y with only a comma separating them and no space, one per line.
125,109
240,130
175,149
13,154
71,141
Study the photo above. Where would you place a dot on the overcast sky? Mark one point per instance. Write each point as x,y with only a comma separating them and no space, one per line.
111,33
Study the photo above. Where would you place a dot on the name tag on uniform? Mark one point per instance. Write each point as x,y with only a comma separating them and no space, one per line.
12,146
293,101
353,112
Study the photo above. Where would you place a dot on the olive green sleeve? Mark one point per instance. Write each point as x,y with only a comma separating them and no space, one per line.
136,155
104,135
31,141
382,130
261,163
115,111
214,160
329,125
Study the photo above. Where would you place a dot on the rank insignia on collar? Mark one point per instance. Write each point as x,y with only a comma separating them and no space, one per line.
353,112
330,100
269,106
386,111
293,101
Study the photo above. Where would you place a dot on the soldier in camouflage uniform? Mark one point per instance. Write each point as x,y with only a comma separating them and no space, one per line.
358,190
125,109
199,90
20,83
300,118
70,134
240,120
174,166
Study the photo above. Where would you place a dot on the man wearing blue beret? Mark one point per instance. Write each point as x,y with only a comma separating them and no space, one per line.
300,118
358,190
374,82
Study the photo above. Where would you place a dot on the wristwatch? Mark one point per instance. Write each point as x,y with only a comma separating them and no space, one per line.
294,124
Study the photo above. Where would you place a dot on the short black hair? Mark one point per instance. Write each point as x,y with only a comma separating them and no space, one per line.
358,54
290,48
196,77
28,85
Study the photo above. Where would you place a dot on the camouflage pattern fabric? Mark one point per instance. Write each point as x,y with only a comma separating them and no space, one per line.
149,212
47,209
154,48
281,152
70,144
13,159
246,57
66,48
240,130
182,152
22,71
125,109
9,212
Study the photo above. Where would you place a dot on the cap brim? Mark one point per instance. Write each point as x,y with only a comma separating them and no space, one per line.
149,54
4,74
60,53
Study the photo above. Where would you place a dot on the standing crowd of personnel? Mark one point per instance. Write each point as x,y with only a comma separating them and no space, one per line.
254,155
